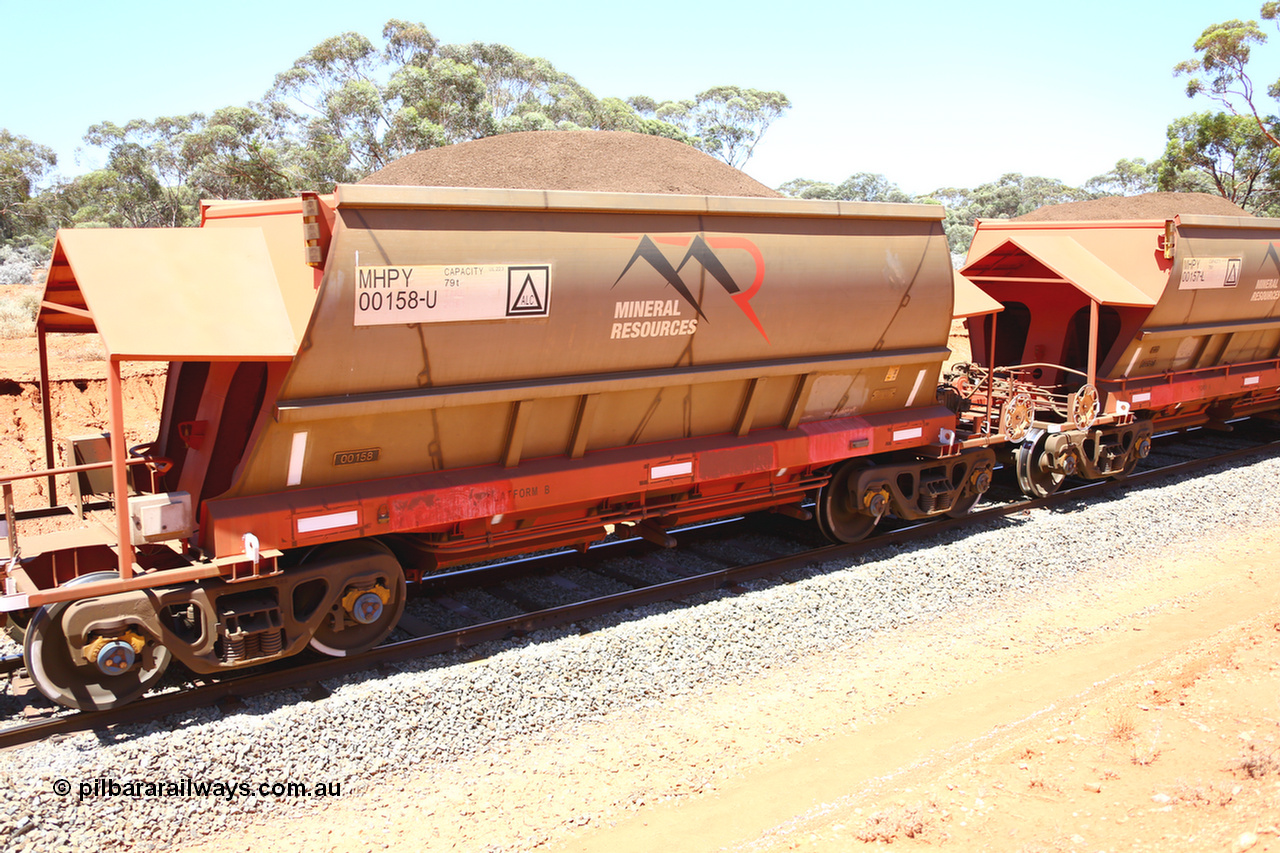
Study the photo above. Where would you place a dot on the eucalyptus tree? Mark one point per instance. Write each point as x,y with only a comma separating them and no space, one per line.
726,121
1220,70
23,164
1238,161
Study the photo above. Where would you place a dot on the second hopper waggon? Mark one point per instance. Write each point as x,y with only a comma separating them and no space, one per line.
373,385
1112,329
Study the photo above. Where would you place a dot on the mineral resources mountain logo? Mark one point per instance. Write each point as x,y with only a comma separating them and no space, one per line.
697,248
1266,288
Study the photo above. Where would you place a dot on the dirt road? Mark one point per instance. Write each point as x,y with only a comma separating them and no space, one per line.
1158,732
1135,716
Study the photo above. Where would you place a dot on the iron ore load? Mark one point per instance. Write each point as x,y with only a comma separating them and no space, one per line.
372,385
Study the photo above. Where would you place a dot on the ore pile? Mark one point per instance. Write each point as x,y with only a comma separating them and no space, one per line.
592,161
1147,206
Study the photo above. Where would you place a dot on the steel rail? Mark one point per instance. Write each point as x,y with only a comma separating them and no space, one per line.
233,687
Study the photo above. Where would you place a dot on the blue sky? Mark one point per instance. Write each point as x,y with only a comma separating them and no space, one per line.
928,93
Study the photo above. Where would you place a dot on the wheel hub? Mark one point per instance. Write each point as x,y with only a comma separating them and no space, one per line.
371,601
843,514
367,608
365,605
1065,463
115,655
877,501
1038,474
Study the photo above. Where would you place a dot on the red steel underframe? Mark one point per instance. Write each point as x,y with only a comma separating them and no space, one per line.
552,487
433,501
1236,381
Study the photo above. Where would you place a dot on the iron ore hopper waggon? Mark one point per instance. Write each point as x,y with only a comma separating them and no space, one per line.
1110,330
373,385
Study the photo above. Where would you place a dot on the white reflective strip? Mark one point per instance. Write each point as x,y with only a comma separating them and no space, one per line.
915,389
673,470
1251,380
1145,397
4,530
296,455
350,518
1136,353
1053,428
10,603
904,434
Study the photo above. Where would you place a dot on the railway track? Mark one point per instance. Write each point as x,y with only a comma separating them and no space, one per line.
1176,454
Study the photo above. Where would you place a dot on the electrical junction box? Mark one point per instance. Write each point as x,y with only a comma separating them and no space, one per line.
158,518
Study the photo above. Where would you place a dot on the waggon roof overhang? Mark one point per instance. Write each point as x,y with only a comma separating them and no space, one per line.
161,294
1050,259
970,301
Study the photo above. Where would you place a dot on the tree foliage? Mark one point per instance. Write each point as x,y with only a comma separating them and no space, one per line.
1127,177
724,121
731,120
1240,163
345,108
1220,71
22,165
1012,195
239,152
861,186
353,106
1232,152
144,182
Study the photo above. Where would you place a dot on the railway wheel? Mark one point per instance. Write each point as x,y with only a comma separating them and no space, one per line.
979,480
1035,476
370,602
1140,450
16,625
122,669
840,517
961,508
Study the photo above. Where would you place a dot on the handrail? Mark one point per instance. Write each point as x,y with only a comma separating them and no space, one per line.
1049,365
163,463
